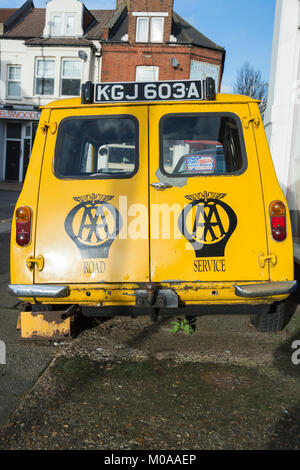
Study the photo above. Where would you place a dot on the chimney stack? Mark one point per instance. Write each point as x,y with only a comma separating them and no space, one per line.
121,4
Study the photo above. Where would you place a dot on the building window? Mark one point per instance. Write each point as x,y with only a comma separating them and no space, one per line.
44,77
56,25
62,25
147,74
142,30
14,81
70,25
70,77
157,30
150,29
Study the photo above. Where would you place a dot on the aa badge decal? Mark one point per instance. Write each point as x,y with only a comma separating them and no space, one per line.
207,223
93,224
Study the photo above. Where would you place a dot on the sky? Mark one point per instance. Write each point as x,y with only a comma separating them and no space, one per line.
243,28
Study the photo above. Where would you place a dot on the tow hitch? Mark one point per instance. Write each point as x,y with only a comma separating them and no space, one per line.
153,296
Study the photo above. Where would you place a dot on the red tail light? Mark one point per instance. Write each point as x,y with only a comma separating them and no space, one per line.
278,220
23,226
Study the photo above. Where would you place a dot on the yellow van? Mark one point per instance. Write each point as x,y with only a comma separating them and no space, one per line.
158,195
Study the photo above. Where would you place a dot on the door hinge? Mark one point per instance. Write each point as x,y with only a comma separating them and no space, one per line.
39,261
262,259
48,125
254,119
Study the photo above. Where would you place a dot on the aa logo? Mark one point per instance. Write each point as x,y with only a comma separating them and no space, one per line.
93,225
207,223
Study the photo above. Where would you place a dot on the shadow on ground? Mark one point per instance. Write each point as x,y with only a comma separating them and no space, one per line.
287,430
96,398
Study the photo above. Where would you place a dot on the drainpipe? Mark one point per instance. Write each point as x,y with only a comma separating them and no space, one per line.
98,55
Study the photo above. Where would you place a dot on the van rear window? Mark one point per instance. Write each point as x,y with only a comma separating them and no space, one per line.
201,145
105,147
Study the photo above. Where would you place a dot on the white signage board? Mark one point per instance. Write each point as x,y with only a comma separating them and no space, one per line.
20,114
201,70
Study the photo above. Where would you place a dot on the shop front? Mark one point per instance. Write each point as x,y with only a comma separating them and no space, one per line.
17,132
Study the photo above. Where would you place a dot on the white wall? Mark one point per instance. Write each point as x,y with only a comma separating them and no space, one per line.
14,52
282,117
64,7
282,109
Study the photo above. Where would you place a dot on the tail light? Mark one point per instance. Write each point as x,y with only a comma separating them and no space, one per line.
23,225
278,220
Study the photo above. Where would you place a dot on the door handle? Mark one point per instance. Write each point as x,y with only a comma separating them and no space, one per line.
39,261
161,186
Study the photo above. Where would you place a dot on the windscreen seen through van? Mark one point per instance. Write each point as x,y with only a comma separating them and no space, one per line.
200,145
97,147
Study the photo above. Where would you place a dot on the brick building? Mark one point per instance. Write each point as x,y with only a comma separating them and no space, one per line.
46,53
142,39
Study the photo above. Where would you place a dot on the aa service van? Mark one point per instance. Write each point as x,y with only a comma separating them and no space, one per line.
157,195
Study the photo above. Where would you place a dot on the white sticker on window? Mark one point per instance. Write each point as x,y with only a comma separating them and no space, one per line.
201,163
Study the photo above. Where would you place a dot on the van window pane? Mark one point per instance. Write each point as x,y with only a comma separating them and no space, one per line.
97,148
201,145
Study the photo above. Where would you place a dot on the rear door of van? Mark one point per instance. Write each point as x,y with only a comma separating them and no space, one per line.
95,172
207,218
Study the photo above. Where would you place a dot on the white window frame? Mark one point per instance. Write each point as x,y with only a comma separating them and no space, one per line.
138,21
52,33
149,20
150,13
69,15
63,24
69,59
14,81
44,59
162,21
141,68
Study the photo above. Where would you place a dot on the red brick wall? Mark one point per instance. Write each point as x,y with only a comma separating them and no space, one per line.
119,61
165,6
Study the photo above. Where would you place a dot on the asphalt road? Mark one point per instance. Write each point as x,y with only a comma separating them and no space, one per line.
8,200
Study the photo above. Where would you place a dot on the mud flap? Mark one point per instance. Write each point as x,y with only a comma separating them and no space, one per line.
46,325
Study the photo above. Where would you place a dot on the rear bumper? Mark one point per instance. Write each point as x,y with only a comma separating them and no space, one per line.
43,290
187,293
265,290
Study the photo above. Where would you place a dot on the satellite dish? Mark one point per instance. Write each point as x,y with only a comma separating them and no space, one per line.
82,55
174,63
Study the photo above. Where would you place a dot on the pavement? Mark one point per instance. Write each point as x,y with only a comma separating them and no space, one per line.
128,384
10,186
24,362
8,199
